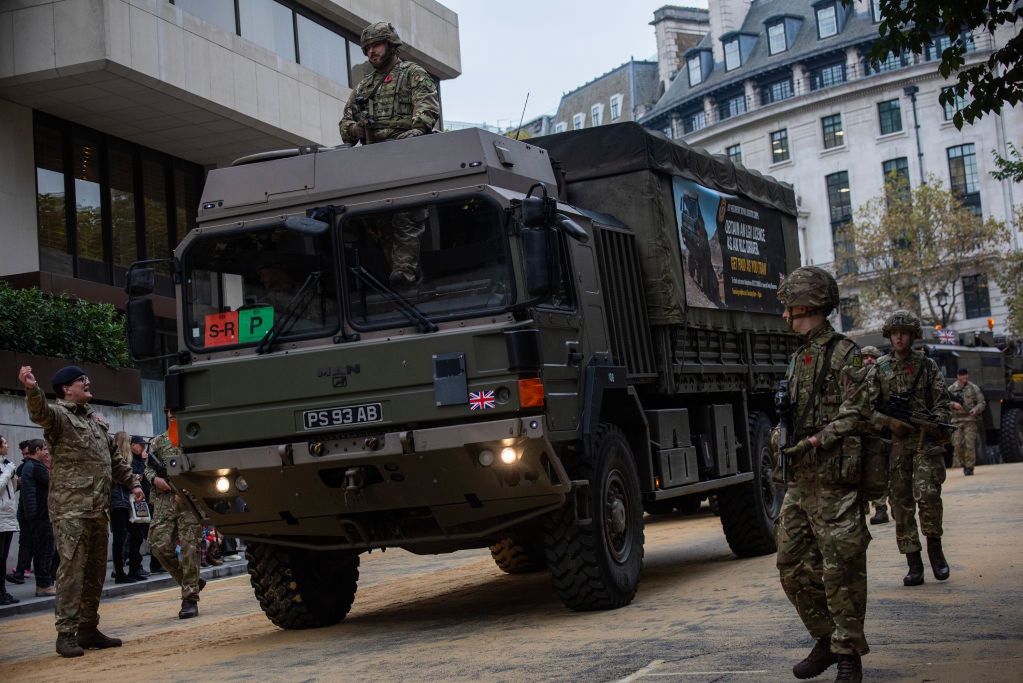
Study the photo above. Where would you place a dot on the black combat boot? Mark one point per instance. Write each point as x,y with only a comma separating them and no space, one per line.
850,668
916,570
968,471
91,638
880,515
938,563
817,662
189,609
67,646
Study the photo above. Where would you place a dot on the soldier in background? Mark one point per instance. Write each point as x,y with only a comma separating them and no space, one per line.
918,450
79,502
870,355
174,522
398,100
967,405
822,536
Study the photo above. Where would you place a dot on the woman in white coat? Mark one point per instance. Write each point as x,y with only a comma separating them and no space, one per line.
8,517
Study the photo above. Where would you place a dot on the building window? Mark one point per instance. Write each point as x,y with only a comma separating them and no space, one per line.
827,76
269,24
889,115
940,43
217,12
732,57
776,92
834,136
616,107
733,106
734,153
849,311
963,176
975,296
956,105
695,71
596,114
322,50
840,206
695,121
578,121
897,170
94,218
827,21
780,145
875,10
776,38
560,127
890,63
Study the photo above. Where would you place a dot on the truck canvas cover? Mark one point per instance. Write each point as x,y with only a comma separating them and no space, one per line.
710,234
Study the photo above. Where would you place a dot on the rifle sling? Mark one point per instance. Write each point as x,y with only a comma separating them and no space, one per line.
817,385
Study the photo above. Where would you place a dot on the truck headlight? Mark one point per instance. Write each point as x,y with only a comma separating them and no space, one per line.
508,455
222,484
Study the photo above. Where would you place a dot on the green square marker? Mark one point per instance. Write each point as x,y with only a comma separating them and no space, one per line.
254,323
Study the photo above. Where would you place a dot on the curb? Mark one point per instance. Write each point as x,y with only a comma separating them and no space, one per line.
158,582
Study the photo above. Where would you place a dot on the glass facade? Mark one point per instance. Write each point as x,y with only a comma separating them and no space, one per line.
964,180
733,106
840,207
217,12
889,116
323,51
831,126
694,121
976,299
103,203
780,145
827,76
734,153
777,91
269,24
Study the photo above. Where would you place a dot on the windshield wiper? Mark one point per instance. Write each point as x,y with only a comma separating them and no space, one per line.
292,312
408,309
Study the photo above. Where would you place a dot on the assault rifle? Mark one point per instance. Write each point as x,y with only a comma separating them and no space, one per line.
364,119
161,471
898,406
783,404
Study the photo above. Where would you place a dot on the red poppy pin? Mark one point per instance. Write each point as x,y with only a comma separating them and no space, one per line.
388,79
808,359
909,369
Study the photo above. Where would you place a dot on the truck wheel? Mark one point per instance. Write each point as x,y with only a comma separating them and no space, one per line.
299,588
518,555
749,510
595,565
1010,441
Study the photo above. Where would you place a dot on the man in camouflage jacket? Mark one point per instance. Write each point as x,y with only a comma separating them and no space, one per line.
822,535
174,523
967,405
400,102
84,467
918,450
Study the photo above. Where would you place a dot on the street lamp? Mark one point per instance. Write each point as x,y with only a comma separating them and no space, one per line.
946,310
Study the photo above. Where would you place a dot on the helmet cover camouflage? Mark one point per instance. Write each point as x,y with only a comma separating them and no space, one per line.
809,286
902,320
378,33
871,351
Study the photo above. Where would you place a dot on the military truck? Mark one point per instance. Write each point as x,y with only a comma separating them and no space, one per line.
544,380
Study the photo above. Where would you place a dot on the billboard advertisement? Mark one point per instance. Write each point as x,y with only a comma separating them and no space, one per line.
732,249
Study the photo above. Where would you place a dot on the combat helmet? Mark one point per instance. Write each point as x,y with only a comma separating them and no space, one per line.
809,286
871,351
378,33
902,320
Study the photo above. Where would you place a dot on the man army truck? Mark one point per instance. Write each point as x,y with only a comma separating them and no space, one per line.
544,380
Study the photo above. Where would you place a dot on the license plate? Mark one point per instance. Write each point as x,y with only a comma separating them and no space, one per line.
342,415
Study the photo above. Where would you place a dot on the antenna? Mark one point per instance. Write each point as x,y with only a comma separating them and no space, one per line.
522,116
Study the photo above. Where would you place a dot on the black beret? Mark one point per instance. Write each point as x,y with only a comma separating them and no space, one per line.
963,371
138,439
66,375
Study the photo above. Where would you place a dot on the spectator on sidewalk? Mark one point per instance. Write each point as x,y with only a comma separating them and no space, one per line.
35,491
24,547
120,515
8,517
138,531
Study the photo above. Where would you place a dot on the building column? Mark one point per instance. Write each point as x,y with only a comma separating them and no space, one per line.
799,84
18,223
751,95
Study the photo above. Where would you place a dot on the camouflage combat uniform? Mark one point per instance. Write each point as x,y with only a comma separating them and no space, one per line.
399,100
917,459
174,524
79,502
822,536
965,437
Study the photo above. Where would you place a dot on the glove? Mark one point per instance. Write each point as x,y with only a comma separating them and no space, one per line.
802,448
898,427
410,133
775,439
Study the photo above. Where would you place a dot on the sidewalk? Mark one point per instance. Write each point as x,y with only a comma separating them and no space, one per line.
26,592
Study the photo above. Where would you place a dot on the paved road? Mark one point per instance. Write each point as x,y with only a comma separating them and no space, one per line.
701,615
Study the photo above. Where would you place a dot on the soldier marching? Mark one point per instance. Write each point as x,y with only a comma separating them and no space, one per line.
967,405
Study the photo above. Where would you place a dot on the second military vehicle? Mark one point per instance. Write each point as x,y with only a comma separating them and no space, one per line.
555,369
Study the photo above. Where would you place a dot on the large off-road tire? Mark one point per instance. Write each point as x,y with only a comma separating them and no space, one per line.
1010,439
749,510
595,565
514,555
299,588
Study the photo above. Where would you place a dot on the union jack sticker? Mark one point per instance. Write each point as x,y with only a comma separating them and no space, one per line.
481,400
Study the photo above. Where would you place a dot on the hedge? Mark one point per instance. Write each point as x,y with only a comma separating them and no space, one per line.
61,327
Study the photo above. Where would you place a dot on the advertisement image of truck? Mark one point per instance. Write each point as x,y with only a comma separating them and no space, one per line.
541,383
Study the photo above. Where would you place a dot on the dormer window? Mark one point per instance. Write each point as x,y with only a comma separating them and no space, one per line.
776,41
827,21
695,72
733,60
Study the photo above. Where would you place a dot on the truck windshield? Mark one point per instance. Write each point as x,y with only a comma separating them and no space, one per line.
237,286
440,261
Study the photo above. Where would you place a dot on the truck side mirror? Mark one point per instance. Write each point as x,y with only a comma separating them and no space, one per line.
141,322
537,261
140,282
536,212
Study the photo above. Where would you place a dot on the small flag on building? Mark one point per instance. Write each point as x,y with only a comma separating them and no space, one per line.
947,336
481,400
